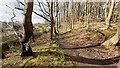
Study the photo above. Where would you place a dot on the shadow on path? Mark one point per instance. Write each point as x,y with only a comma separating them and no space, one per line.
84,60
94,61
64,44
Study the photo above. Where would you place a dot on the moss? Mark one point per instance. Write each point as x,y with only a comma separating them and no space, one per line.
110,47
50,57
23,62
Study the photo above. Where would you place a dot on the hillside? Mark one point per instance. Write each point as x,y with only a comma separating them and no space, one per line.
73,48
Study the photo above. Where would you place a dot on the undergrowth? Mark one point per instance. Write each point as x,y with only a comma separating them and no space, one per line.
52,56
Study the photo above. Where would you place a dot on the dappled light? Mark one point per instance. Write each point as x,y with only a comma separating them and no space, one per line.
71,34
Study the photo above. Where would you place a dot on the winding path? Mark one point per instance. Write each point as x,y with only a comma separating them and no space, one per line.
84,47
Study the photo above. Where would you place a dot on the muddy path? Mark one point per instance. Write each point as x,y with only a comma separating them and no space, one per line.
84,47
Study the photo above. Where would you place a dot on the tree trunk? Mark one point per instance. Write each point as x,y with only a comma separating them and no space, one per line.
57,15
87,14
3,56
106,4
51,18
115,39
53,29
72,15
28,28
110,14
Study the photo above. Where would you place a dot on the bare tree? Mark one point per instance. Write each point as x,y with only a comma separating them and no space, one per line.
57,16
110,13
28,28
47,14
12,18
105,7
115,39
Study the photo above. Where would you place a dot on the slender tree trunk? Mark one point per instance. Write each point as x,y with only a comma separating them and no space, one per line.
52,20
106,5
57,15
79,12
110,13
115,39
59,18
57,24
72,15
3,56
72,24
28,28
87,14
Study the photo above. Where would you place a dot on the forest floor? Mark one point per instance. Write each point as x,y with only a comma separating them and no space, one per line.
78,47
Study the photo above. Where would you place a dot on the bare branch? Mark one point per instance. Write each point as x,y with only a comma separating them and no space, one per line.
42,10
9,7
20,2
19,8
13,23
45,4
13,14
33,11
44,7
41,16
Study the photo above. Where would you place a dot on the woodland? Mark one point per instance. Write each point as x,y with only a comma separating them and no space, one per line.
74,34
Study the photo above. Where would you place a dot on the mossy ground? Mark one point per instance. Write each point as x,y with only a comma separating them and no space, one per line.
53,56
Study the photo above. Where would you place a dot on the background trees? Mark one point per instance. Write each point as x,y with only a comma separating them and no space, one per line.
107,20
115,39
66,16
73,13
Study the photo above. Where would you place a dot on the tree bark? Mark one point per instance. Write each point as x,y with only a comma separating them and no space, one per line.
110,13
3,56
115,39
28,28
106,5
72,15
57,15
53,22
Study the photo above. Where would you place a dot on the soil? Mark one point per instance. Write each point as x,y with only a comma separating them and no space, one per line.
81,46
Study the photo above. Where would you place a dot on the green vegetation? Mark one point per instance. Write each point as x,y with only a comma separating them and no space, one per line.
50,57
72,34
39,31
53,56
